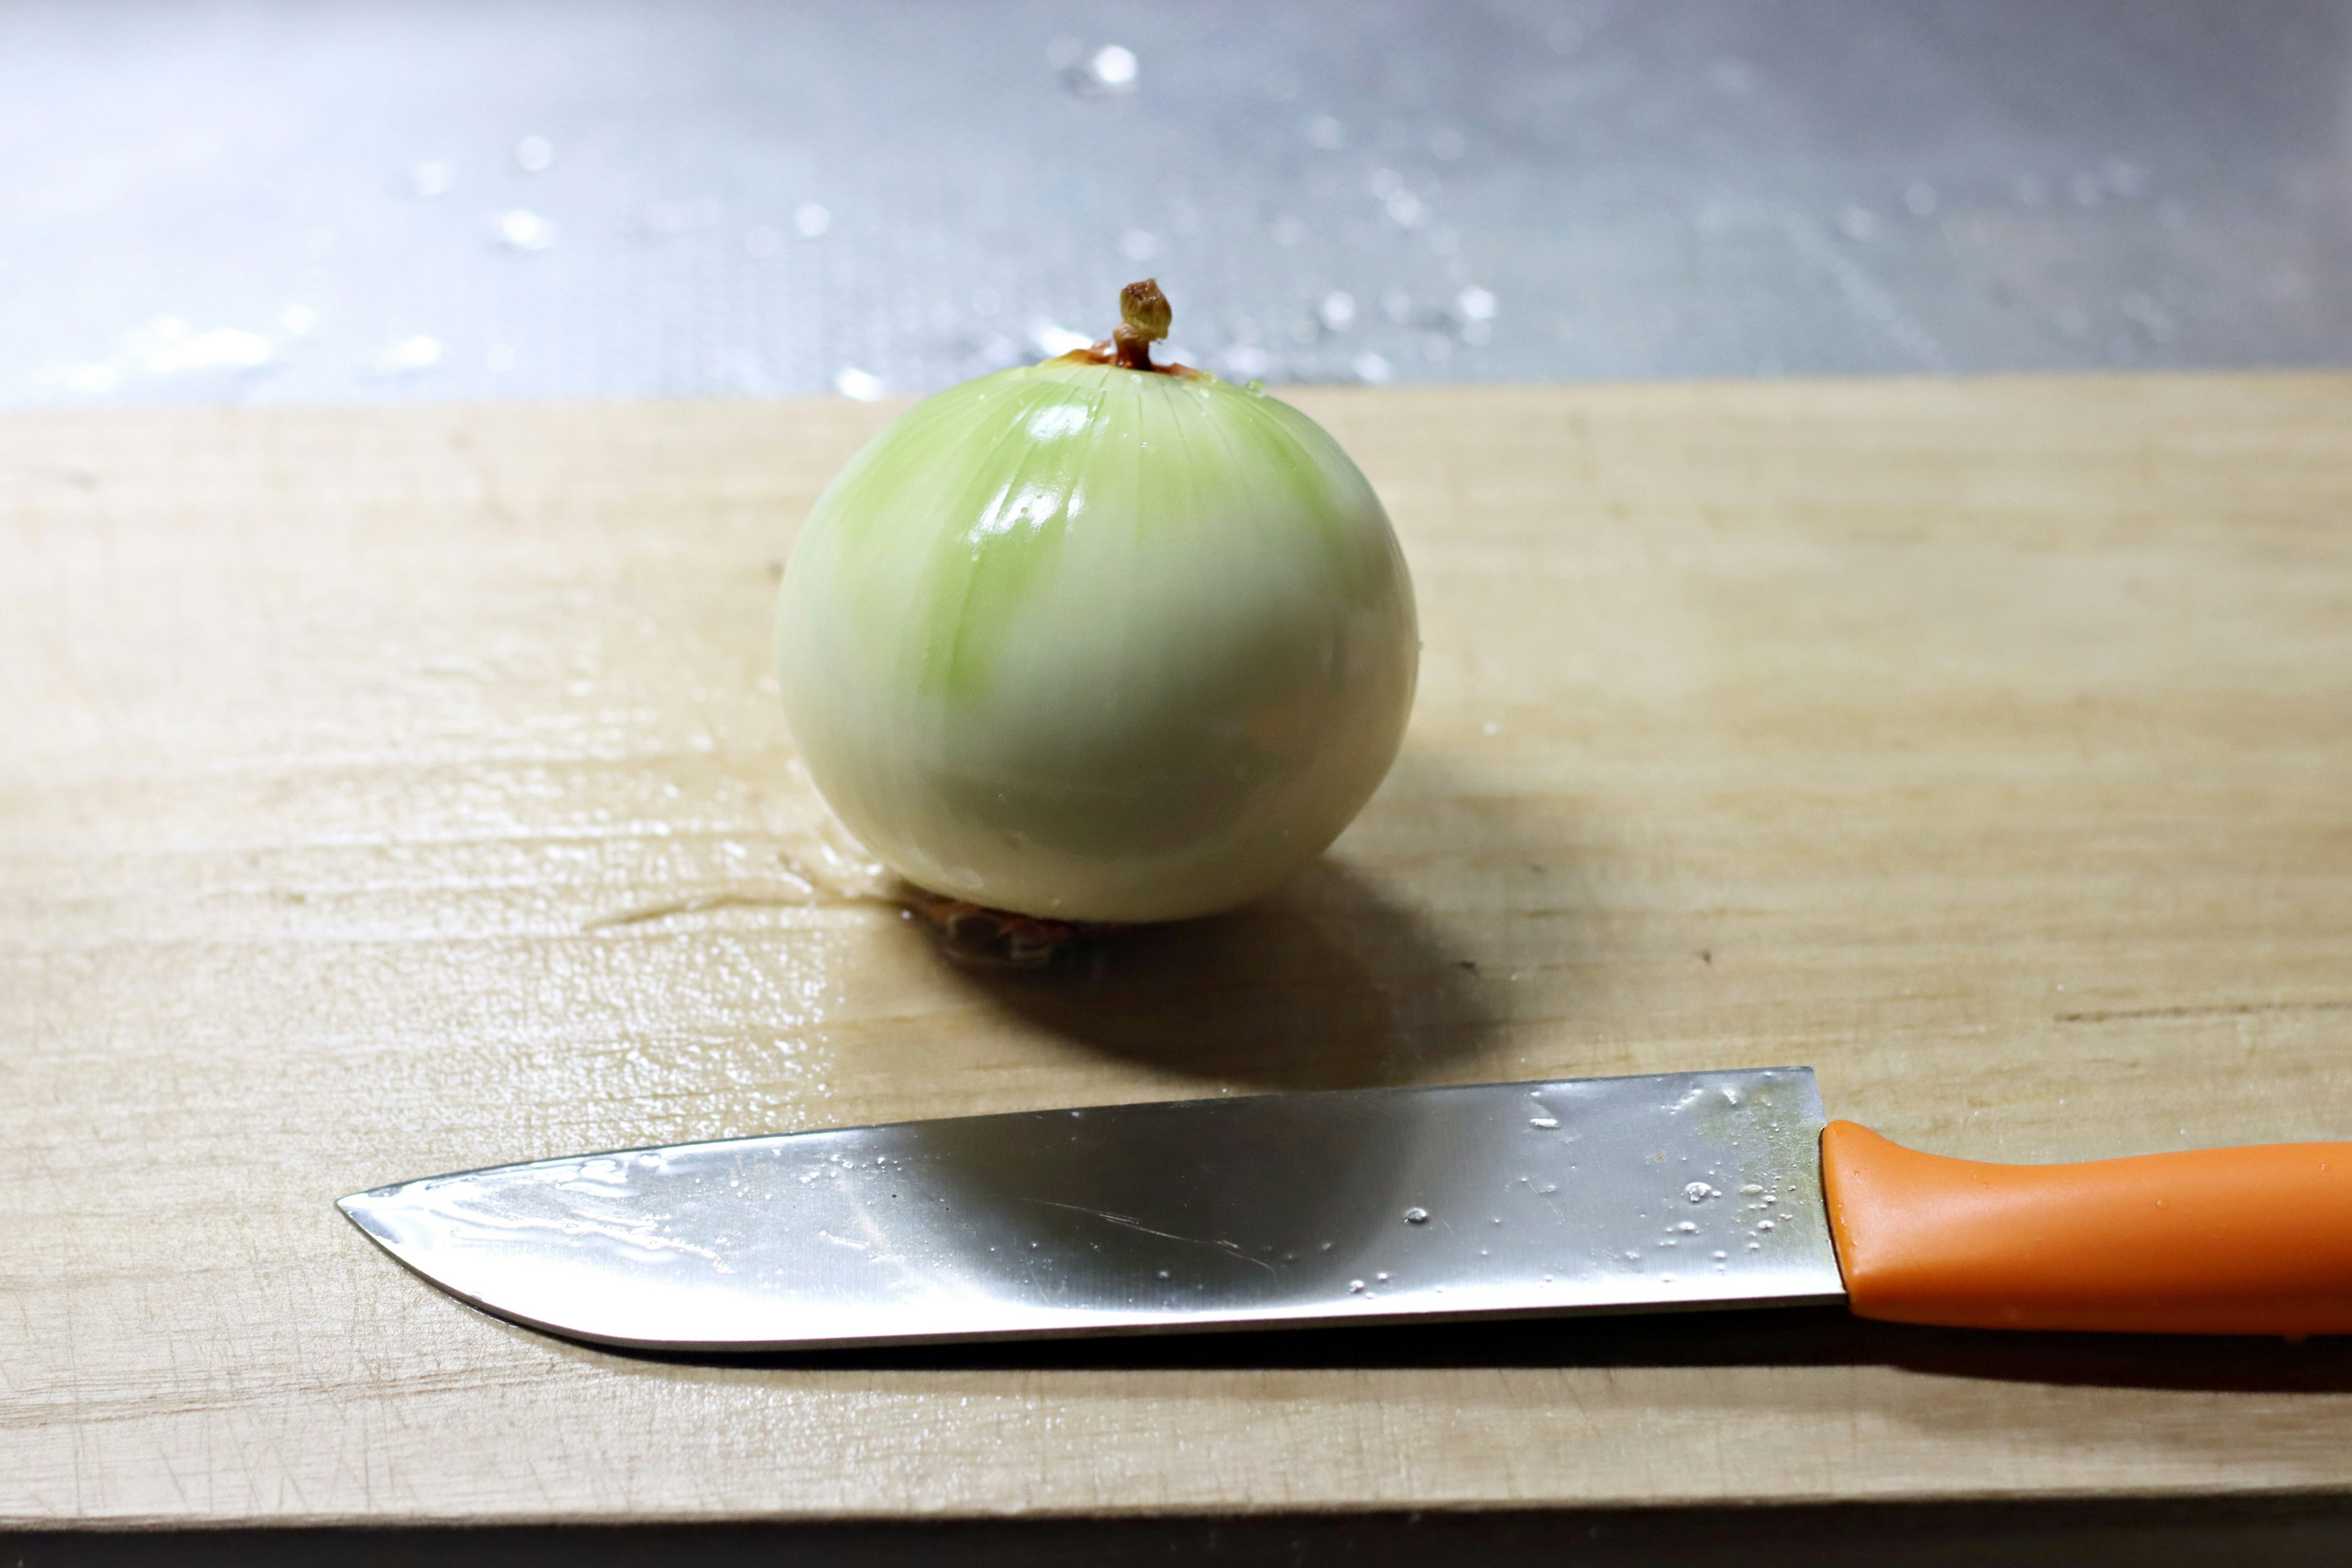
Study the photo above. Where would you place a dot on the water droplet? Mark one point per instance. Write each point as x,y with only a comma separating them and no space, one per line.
1416,1216
1632,1257
1720,1255
1750,1190
522,229
1699,1192
812,219
1337,310
1373,368
1163,1273
411,353
1476,304
1764,1225
1381,1277
1052,338
1686,1228
1546,1122
1113,69
860,384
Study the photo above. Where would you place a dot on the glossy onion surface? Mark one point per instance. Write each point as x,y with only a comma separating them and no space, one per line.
1097,644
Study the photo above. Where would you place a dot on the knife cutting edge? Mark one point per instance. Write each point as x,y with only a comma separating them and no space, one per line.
1695,1190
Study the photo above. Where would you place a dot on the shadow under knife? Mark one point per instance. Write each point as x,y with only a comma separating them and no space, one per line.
1768,1337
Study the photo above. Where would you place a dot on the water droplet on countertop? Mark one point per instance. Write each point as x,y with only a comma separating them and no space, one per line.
519,228
1686,1228
1699,1192
1112,70
1546,1122
1764,1225
1381,1277
1750,1189
1416,1216
409,355
1354,1286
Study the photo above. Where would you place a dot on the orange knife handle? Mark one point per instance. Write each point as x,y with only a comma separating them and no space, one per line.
2218,1241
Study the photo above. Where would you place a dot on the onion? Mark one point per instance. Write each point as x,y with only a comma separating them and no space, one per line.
1097,639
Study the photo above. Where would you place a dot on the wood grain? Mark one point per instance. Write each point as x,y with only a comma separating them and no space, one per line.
384,791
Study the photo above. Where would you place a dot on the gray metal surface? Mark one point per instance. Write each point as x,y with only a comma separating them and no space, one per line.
1692,1190
279,201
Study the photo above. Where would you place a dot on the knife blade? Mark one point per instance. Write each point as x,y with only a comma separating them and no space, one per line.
1660,1193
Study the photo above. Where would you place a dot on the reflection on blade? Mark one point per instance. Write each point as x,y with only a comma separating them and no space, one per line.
1360,1205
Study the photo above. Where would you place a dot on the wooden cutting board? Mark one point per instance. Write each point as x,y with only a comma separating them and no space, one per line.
389,791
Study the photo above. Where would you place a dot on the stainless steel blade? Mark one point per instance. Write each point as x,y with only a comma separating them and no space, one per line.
1594,1195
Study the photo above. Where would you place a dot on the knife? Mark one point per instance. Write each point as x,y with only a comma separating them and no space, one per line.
1615,1194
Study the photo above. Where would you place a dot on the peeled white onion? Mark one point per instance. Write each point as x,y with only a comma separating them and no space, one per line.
1098,640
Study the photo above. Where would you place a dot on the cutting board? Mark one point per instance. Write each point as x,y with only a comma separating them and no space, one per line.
389,791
